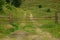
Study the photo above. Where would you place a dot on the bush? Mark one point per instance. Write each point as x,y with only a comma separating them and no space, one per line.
16,3
8,1
40,6
2,2
48,10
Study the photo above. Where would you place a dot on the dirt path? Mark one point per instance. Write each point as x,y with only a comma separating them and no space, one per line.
22,35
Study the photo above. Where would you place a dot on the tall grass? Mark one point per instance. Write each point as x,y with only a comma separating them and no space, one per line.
54,29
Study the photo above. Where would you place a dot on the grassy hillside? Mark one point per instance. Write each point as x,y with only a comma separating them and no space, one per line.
23,19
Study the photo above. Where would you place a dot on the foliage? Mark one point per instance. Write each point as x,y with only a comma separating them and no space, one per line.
48,10
2,2
40,6
15,3
54,29
8,1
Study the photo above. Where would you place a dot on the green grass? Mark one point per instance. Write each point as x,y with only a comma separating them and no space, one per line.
30,28
31,7
54,29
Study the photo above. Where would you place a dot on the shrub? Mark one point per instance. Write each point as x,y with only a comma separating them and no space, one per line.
40,6
16,3
48,10
8,1
2,2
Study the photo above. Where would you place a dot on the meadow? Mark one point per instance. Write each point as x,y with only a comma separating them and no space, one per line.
40,28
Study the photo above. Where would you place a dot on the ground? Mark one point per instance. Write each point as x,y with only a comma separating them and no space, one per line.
30,22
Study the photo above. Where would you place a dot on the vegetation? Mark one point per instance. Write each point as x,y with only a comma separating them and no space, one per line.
2,2
48,10
52,28
40,6
21,17
9,3
16,3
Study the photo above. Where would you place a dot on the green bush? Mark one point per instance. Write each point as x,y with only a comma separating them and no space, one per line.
48,10
40,6
8,1
16,3
2,2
